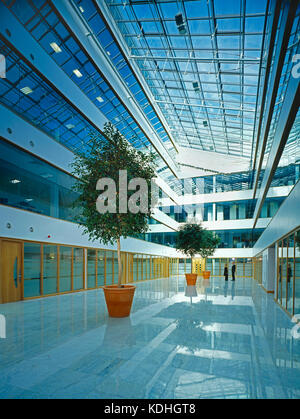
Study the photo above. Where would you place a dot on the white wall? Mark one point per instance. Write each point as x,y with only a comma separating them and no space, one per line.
225,196
64,232
286,219
43,147
269,269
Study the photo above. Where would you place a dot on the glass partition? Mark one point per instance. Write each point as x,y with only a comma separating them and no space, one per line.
109,268
91,268
65,269
50,269
32,270
288,273
53,269
100,268
297,274
78,268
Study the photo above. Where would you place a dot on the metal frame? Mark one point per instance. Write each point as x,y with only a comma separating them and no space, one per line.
286,24
223,132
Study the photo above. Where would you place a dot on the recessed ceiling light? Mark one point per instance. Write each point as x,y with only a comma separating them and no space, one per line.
77,73
100,99
108,53
15,181
26,90
29,200
81,9
55,47
70,126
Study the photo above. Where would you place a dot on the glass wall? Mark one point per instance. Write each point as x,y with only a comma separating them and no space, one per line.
65,269
91,268
55,269
100,268
231,210
288,273
257,268
29,183
230,239
78,268
32,270
50,270
244,266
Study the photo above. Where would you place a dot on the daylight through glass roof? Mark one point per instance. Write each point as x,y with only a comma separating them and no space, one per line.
202,61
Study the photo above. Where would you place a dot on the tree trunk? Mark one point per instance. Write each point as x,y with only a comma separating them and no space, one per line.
191,265
119,263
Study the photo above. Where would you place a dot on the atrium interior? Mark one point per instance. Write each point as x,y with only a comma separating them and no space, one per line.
209,89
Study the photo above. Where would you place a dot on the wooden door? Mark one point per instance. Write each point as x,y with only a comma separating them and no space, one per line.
198,266
11,271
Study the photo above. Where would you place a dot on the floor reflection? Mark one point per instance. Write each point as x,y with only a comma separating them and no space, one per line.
214,340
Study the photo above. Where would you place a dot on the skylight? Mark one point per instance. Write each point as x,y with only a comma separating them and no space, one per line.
202,63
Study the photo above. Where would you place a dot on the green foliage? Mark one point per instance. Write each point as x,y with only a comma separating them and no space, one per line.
193,239
109,154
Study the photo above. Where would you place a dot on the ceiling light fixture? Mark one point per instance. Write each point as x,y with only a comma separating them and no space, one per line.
70,126
100,99
55,47
77,73
26,90
15,181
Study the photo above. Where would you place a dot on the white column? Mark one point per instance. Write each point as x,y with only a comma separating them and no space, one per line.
269,269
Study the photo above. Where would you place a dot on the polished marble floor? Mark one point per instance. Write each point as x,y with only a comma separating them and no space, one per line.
216,341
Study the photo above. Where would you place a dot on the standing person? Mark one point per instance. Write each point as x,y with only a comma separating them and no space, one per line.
233,270
226,273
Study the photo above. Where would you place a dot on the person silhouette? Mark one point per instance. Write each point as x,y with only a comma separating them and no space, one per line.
226,273
233,270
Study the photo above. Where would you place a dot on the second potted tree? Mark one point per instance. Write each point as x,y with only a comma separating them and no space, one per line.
192,240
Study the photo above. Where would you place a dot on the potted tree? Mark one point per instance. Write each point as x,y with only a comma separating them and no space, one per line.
208,247
193,239
121,210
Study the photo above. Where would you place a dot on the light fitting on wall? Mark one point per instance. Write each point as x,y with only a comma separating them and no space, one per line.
8,225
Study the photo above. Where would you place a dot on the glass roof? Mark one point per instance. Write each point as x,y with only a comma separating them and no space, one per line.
55,38
24,92
202,61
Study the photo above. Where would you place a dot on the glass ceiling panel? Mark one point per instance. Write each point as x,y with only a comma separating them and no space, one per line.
43,23
202,61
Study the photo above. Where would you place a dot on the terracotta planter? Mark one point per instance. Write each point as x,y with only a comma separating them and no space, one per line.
191,279
119,300
206,274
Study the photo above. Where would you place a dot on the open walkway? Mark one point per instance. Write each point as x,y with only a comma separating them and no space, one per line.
229,341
